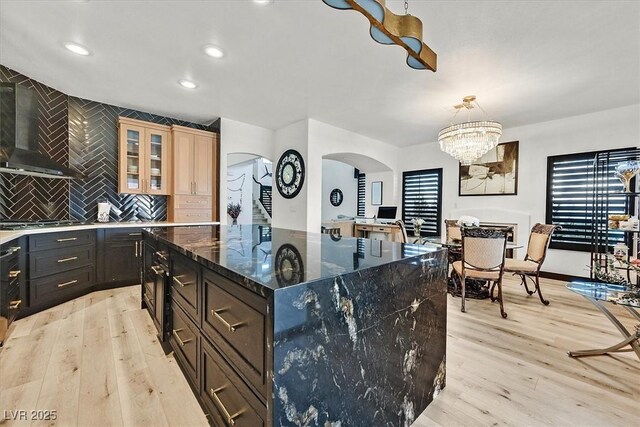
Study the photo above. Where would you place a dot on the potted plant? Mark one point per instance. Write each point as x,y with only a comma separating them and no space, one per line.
234,209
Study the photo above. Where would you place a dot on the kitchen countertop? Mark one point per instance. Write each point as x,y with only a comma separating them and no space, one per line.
8,235
284,258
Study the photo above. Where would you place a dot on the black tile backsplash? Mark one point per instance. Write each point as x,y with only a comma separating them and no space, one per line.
84,135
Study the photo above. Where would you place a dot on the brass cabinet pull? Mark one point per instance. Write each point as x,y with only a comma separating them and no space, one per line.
182,285
161,255
73,258
62,285
175,334
230,418
135,234
13,305
13,274
197,201
68,239
195,187
229,326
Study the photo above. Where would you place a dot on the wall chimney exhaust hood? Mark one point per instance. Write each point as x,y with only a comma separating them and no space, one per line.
19,136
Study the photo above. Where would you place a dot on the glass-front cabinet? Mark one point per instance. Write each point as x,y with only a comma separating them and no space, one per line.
143,159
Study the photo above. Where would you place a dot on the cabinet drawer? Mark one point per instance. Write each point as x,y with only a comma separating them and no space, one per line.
181,201
41,242
111,234
52,262
382,229
185,340
184,285
229,400
56,287
235,319
364,228
191,215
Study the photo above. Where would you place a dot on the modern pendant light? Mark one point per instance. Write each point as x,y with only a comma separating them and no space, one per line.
470,140
389,28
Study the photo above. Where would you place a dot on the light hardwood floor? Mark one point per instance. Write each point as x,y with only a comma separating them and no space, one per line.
97,362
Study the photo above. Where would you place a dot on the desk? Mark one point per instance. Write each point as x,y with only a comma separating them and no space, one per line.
346,226
389,232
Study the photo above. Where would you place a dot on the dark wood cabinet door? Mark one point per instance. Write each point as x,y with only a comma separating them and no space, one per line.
121,262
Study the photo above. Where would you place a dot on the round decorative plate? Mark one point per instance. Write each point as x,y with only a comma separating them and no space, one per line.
289,266
290,174
336,197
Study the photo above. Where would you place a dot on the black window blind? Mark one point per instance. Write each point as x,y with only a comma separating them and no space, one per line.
570,201
361,189
422,198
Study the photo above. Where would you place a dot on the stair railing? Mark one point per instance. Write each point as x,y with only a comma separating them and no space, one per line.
265,197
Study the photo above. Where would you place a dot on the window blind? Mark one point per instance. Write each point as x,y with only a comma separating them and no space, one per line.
361,189
422,198
570,201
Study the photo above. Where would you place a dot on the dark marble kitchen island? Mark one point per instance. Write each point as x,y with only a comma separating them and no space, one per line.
295,328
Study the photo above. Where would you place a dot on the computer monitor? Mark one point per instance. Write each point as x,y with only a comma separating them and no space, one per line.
387,212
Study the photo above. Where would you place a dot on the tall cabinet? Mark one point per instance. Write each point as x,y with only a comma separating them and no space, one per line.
195,162
144,164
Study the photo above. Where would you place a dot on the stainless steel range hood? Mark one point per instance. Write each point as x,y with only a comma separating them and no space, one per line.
19,136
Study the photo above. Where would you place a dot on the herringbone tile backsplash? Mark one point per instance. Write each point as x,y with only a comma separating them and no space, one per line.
84,135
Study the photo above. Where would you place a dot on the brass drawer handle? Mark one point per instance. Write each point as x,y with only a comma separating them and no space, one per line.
68,239
175,334
13,305
199,201
182,285
230,418
73,258
161,255
62,285
230,327
135,234
159,271
13,274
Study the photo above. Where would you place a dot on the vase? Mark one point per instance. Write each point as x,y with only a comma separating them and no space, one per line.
625,171
235,221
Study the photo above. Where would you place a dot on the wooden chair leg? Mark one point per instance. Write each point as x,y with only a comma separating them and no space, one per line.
502,312
462,308
542,300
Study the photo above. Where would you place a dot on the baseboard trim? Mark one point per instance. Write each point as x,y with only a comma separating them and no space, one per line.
561,277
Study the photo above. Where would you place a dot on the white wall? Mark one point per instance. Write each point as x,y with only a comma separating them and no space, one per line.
238,137
614,128
239,178
292,213
338,175
389,192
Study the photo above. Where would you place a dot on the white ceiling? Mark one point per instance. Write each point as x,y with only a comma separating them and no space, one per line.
526,61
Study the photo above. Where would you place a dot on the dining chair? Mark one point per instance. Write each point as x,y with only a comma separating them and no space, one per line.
483,255
452,231
334,231
529,268
403,231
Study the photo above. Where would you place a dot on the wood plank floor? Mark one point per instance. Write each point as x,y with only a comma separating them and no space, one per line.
97,362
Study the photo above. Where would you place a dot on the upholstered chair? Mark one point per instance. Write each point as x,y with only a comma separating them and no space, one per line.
483,255
403,231
452,230
529,268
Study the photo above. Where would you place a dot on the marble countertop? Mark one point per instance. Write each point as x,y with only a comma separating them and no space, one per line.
276,258
8,235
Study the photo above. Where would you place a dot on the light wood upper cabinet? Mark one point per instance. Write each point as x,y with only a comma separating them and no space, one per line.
192,161
144,157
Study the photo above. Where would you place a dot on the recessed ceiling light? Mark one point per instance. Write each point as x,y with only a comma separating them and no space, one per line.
77,49
263,1
213,51
188,84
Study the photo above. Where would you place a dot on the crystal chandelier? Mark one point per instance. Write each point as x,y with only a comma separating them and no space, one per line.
391,29
469,141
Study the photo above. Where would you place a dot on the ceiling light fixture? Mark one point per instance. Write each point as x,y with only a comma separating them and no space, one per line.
263,2
77,49
469,141
188,84
213,51
389,28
